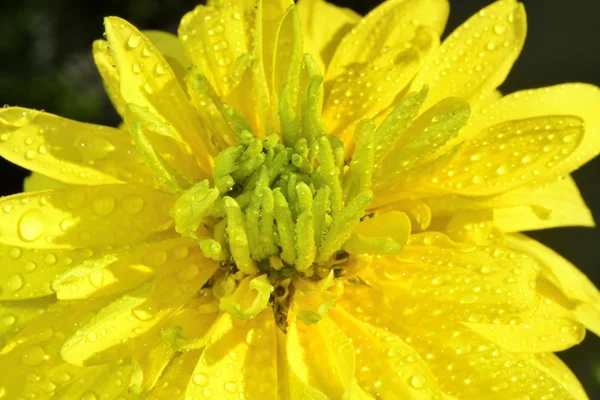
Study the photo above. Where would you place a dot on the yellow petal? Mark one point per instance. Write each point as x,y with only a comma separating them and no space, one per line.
387,367
136,313
214,37
110,274
476,58
173,382
243,361
549,329
148,81
511,154
364,90
321,357
384,233
390,25
553,205
69,151
28,273
464,364
583,297
434,275
150,358
324,25
553,366
83,216
108,72
37,182
30,364
172,50
572,99
106,382
14,316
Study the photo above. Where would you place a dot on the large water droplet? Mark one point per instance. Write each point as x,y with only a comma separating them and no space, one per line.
31,225
89,396
104,204
418,381
97,278
134,41
200,379
133,204
32,356
14,282
93,147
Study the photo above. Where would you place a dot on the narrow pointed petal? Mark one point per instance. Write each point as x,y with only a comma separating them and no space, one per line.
386,365
34,352
321,357
476,58
110,381
435,276
70,218
118,273
108,72
242,361
464,364
390,25
571,100
148,81
173,382
582,297
136,313
15,316
324,25
69,151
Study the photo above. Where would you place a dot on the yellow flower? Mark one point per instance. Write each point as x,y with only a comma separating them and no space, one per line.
301,204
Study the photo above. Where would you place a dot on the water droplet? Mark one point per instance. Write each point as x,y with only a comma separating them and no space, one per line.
254,336
14,253
2,392
134,40
31,225
30,266
200,379
207,393
418,381
8,320
97,278
160,69
136,68
187,273
231,387
50,259
30,154
148,89
491,46
33,356
104,204
499,29
133,204
14,282
75,199
143,314
67,224
180,252
89,396
93,147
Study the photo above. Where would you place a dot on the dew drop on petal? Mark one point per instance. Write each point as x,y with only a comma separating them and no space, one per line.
133,204
33,356
104,204
14,282
97,278
8,320
31,225
200,379
134,41
89,396
418,381
93,147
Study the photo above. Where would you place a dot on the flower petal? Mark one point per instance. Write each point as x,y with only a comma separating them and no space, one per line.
242,361
387,367
83,216
108,72
136,313
15,316
105,382
324,25
321,357
148,81
464,364
571,100
172,50
549,329
69,151
476,58
28,273
37,182
214,37
390,25
173,382
435,276
30,364
570,284
110,274
511,154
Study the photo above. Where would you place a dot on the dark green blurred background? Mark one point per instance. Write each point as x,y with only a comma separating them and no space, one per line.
45,63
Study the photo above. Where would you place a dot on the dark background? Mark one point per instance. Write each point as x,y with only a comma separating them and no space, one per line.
46,63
